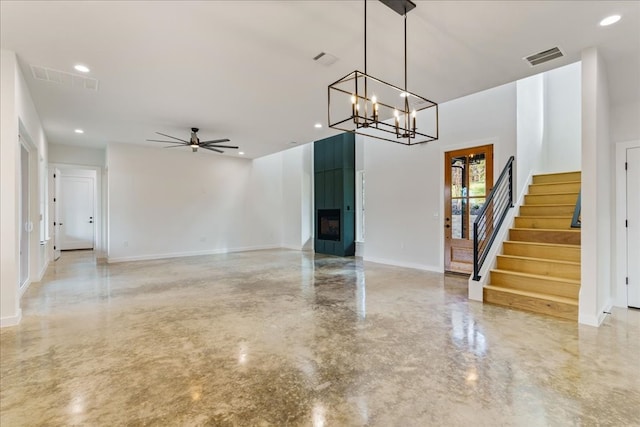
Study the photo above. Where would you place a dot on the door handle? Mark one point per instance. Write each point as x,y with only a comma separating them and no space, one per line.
59,223
90,222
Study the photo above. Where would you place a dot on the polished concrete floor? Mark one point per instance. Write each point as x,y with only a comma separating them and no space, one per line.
288,338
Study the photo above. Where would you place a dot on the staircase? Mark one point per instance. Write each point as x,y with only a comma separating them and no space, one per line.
539,269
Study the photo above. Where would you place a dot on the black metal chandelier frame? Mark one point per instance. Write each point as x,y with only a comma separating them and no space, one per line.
400,126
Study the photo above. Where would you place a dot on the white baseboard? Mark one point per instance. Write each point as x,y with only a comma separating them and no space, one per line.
149,257
42,271
396,263
12,320
292,247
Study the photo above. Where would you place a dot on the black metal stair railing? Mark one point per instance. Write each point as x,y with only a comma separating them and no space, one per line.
491,215
576,221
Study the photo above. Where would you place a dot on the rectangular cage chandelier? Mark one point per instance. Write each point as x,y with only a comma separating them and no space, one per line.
366,105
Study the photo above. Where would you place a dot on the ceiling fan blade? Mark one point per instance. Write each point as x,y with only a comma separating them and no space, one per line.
220,146
176,146
166,142
172,137
214,141
211,149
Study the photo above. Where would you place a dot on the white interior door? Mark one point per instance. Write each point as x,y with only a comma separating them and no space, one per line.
77,224
25,223
56,213
633,227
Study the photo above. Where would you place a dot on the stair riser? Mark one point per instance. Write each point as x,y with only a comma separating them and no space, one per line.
557,177
541,267
536,305
549,252
568,187
557,223
534,284
551,199
568,237
558,210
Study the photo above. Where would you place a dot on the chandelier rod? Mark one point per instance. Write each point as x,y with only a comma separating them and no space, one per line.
365,38
365,61
405,53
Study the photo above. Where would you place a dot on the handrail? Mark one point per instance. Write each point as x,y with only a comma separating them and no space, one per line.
491,215
576,221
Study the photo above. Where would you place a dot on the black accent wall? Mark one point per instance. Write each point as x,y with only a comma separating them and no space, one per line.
334,161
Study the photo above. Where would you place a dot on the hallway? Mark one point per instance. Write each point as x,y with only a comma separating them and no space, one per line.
283,337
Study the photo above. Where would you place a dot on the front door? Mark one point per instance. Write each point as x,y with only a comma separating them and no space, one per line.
76,213
468,180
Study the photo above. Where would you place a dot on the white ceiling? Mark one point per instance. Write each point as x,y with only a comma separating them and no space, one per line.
244,69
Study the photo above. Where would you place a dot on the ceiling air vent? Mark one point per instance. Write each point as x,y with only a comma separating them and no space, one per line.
325,59
544,56
63,78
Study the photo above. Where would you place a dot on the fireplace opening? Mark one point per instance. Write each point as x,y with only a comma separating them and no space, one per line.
329,224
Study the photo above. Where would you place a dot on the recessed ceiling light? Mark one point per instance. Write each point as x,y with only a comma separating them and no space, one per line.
318,125
78,131
609,20
81,68
241,153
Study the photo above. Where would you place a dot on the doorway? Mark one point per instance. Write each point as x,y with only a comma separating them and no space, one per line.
633,226
468,180
25,223
77,216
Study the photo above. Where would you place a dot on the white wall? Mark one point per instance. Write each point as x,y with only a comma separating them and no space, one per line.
166,203
296,190
563,120
404,192
530,129
625,122
76,155
597,194
18,115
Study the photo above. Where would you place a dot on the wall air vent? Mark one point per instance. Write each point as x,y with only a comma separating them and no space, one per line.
325,59
544,56
64,78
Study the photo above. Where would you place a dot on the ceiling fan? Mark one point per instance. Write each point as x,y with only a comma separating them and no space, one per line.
195,142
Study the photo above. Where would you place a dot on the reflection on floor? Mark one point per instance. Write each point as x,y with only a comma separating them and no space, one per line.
288,338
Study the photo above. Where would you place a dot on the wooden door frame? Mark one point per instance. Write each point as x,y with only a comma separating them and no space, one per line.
448,155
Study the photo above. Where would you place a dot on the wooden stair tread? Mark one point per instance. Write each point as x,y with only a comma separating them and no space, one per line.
556,183
545,216
566,193
556,230
537,276
541,259
564,245
556,298
552,205
556,173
